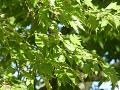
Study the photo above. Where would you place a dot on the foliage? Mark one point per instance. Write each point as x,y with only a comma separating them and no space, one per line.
32,45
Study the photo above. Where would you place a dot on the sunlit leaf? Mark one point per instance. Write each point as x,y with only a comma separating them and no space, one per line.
12,20
112,6
104,22
89,3
74,39
69,45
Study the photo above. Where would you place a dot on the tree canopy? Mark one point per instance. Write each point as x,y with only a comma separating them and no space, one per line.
59,43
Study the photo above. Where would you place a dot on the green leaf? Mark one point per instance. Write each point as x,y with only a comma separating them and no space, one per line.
96,68
77,22
12,20
73,25
61,58
45,68
69,46
111,74
75,39
35,2
78,1
37,52
28,82
86,68
52,2
93,22
88,3
117,48
65,79
101,44
112,6
104,22
28,54
114,20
